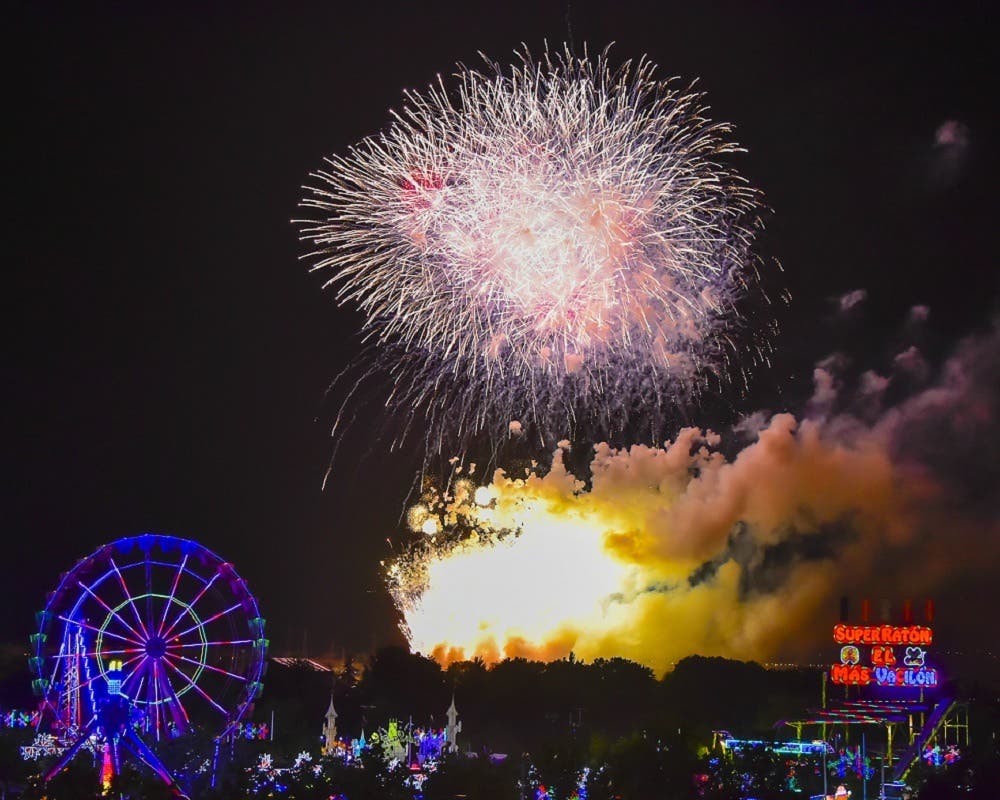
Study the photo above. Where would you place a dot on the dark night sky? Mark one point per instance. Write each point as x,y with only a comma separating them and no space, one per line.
166,354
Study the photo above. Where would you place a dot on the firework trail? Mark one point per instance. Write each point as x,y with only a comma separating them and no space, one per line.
558,245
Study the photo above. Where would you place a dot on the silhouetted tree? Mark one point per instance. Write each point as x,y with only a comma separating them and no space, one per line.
399,684
640,766
458,776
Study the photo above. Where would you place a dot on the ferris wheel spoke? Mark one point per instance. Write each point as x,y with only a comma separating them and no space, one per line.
196,687
129,597
93,678
204,622
98,630
197,597
137,692
109,609
230,643
173,593
220,670
153,695
174,699
149,593
95,653
139,668
166,690
56,666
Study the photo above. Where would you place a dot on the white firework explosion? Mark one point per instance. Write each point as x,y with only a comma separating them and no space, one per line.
559,244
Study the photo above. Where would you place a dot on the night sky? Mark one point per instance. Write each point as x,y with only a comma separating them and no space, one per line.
167,353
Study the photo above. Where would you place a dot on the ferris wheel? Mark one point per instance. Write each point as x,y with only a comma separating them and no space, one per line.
157,623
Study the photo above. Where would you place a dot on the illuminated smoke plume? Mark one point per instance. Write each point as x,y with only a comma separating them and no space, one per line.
559,243
667,552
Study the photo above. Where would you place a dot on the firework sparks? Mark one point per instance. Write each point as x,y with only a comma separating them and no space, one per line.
559,244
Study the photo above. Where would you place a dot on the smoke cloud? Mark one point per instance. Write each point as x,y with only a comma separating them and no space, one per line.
664,552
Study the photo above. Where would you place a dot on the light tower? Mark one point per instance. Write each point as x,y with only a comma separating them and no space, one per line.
70,716
453,728
330,729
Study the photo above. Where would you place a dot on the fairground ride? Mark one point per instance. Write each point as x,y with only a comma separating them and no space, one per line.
148,638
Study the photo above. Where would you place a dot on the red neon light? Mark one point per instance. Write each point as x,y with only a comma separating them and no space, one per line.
882,656
853,674
881,634
107,769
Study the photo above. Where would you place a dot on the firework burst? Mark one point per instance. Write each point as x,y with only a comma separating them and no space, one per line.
558,244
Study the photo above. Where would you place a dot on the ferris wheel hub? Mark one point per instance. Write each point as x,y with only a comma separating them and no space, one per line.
156,647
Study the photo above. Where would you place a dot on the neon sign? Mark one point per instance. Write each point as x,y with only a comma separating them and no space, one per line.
881,634
851,674
856,675
903,676
883,655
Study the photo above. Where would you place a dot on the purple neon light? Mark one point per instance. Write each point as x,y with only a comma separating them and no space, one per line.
220,670
124,664
173,591
154,684
197,597
128,595
95,653
98,630
138,670
149,593
195,686
210,644
109,609
205,622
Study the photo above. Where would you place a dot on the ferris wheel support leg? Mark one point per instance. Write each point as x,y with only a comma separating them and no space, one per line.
74,748
141,751
114,764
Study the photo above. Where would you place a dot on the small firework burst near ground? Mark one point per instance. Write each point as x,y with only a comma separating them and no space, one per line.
559,243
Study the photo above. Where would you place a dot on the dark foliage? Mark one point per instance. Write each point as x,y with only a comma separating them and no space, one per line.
480,778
